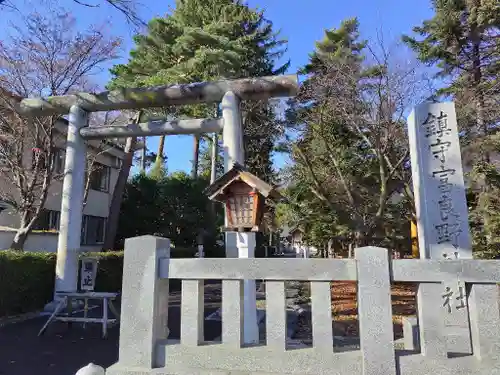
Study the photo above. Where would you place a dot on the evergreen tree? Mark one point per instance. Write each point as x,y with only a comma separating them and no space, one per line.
208,40
206,160
351,149
341,43
172,206
461,40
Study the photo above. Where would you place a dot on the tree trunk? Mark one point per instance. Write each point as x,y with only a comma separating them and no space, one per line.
481,124
213,159
19,239
324,250
119,189
116,201
161,146
215,150
87,188
330,249
28,217
143,155
196,154
351,250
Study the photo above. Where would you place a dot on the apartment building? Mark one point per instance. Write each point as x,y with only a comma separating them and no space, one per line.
102,180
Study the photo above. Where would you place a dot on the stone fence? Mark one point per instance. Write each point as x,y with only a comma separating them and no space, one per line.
146,349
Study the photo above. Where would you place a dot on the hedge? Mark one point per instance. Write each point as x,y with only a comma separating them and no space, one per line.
26,281
27,278
110,269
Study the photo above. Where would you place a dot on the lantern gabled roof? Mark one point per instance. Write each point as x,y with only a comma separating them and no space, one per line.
239,173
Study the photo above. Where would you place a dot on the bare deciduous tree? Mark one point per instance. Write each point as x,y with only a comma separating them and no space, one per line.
44,56
127,7
353,150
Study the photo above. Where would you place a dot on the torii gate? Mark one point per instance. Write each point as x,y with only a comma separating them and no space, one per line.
229,92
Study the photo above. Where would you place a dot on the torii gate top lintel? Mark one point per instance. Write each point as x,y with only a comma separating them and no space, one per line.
135,98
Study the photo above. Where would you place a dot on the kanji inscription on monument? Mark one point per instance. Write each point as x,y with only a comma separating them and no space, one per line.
441,207
438,182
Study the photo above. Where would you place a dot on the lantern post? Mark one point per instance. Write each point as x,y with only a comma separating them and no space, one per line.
245,242
243,195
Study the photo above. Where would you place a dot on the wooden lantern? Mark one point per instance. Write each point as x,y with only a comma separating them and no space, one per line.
243,195
243,205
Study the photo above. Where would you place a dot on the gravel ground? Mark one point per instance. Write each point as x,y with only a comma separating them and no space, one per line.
345,326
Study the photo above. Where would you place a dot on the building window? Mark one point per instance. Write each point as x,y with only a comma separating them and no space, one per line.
58,157
48,220
93,229
118,163
3,206
99,177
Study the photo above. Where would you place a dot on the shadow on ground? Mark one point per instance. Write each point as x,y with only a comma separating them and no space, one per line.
63,351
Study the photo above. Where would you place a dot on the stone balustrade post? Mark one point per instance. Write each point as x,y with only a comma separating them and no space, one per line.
375,311
144,311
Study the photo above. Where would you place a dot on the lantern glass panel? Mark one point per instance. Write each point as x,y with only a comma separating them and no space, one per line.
241,209
247,205
232,210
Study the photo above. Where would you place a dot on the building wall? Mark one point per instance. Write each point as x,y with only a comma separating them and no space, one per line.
42,242
97,201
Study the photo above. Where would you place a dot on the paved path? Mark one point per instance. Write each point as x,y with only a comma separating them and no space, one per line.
63,351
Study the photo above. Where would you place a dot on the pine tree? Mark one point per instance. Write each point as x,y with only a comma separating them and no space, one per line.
461,40
340,43
208,40
351,144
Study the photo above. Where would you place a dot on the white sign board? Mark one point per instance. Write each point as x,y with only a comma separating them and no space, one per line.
88,274
438,182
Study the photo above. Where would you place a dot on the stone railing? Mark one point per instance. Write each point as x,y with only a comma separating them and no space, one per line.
145,348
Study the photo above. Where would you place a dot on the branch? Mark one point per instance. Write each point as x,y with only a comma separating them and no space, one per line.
398,164
384,178
317,189
336,164
85,4
126,7
42,196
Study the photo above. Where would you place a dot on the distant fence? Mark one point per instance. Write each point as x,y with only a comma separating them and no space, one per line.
145,348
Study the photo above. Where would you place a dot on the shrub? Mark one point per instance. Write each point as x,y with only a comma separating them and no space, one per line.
26,281
27,278
109,270
487,252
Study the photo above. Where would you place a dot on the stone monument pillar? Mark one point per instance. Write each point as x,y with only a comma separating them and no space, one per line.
441,207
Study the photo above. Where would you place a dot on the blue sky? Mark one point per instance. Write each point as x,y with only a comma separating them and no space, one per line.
301,22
